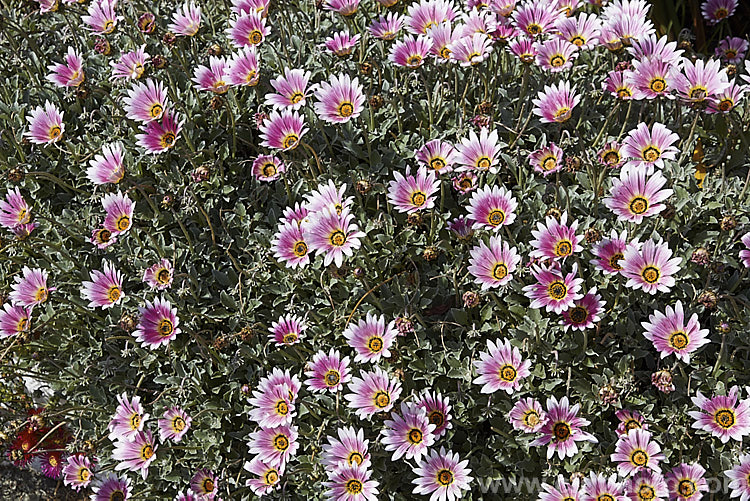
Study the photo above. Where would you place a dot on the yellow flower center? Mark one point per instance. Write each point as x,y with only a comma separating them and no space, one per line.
496,217
113,294
724,418
337,238
147,451
353,486
167,140
638,205
445,477
414,436
332,378
563,248
375,344
418,198
381,399
280,442
165,327
557,290
54,132
300,248
650,274
507,373
290,141
639,458
255,37
499,271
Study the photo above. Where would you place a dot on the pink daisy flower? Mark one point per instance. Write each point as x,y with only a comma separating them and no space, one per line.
159,276
745,253
647,485
77,472
278,377
136,455
650,78
555,240
739,477
547,160
242,67
462,228
562,491
131,65
350,449
30,290
296,214
527,415
411,194
556,55
102,17
158,324
732,49
686,482
371,338
464,182
52,463
119,210
555,103
333,235
146,102
288,330
636,451
408,435
438,412
268,168
443,35
726,101
524,49
14,320
630,420
493,266
274,446
289,246
583,31
45,124
715,11
584,313
105,289
212,77
650,267
637,195
536,18
443,475
646,149
204,484
283,131
291,89
410,52
610,155
479,153
601,488
341,43
670,334
437,155
721,416
128,419
70,73
327,372
267,477
247,29
475,21
553,290
470,50
387,27
102,238
158,137
423,15
174,424
373,393
620,85
563,429
112,488
186,21
351,483
107,167
327,196
698,81
609,253
339,100
272,407
14,210
343,7
501,368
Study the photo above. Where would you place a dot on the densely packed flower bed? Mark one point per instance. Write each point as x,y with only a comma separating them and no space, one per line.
389,250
